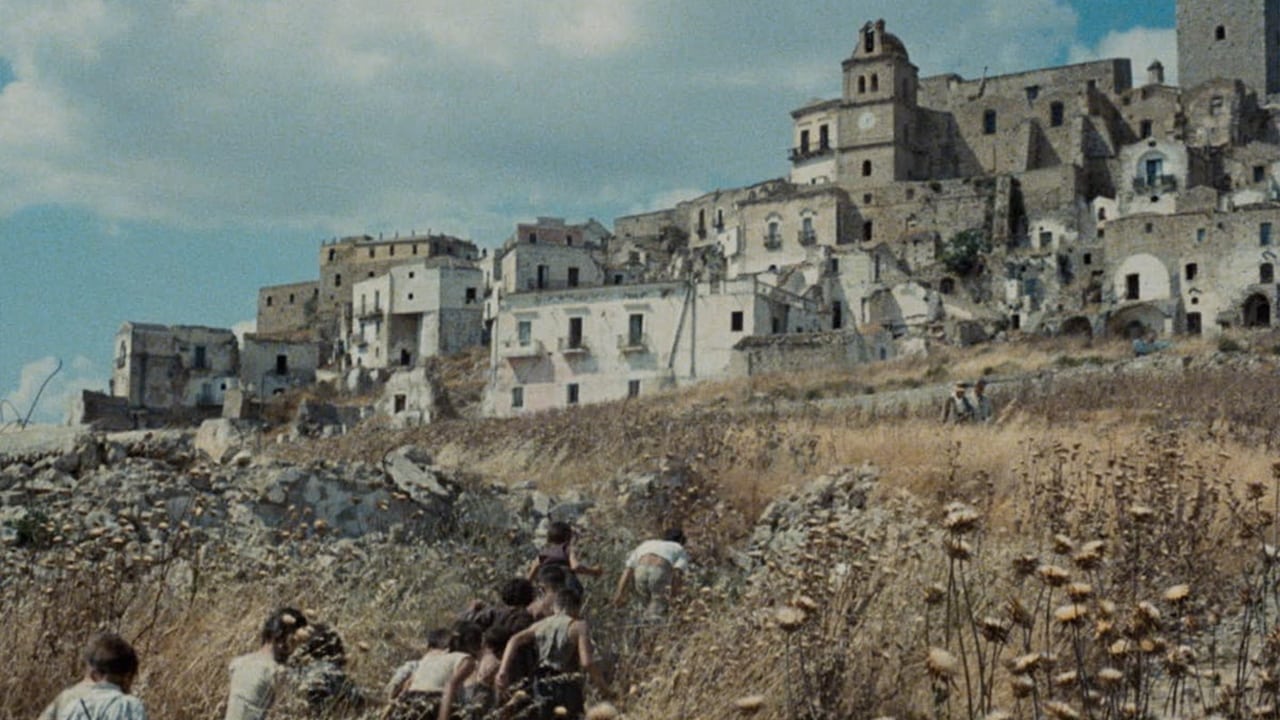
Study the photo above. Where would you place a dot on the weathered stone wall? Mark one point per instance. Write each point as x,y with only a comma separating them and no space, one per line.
288,308
1231,39
804,353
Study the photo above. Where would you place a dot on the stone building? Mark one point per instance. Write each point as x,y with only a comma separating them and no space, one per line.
571,346
415,311
168,373
273,363
1239,39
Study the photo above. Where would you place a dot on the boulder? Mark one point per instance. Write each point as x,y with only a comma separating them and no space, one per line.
219,439
409,469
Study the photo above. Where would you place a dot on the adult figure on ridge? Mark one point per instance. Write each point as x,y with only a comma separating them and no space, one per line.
958,409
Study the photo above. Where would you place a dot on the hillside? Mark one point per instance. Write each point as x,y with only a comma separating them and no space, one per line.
1105,549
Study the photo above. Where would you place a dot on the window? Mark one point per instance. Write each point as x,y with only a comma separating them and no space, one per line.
517,397
1131,287
372,251
867,228
1057,114
282,364
400,402
862,84
1149,227
377,300
332,254
1154,168
837,315
1033,92
575,332
533,238
617,279
290,298
804,150
1200,233
1193,323
1259,173
772,239
989,122
541,280
1215,105
869,40
635,329
524,332
572,393
337,280
269,301
573,277
806,229
1102,213
1266,273
1087,259
1144,129
834,266
410,274
735,321
1046,239
720,215
1264,234
391,250
1220,32
867,198
947,286
410,296
1189,272
472,293
875,82
200,361
866,168
415,248
824,140
633,388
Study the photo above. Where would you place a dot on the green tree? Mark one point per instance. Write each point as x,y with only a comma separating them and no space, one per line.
962,252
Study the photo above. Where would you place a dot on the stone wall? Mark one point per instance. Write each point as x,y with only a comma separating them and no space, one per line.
1231,39
288,308
806,352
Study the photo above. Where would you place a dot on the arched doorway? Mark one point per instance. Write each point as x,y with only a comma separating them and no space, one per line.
1077,326
1136,322
1257,311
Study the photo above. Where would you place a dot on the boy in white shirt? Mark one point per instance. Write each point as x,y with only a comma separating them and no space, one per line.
656,570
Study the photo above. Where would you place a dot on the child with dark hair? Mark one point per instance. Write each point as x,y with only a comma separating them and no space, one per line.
550,581
516,595
321,660
560,551
110,667
255,676
436,686
437,639
655,569
564,655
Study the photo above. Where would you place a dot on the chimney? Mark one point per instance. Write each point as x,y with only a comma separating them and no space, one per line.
1155,73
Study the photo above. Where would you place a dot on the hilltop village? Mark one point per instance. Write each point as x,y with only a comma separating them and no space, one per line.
1074,200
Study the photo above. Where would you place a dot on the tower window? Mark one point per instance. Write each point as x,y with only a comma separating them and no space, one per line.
824,139
875,82
1144,129
869,40
866,168
1056,114
1220,32
1191,270
1131,287
862,83
989,122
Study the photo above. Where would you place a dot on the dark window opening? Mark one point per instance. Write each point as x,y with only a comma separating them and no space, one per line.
869,41
1259,173
1087,259
947,286
575,332
866,168
735,321
391,250
1193,323
201,361
1264,234
1144,129
332,254
804,149
824,140
372,251
989,122
533,238
573,277
406,358
401,402
1266,273
1131,287
635,329
1033,92
282,364
875,82
572,398
337,280
1220,32
472,293
541,280
633,388
617,279
517,397
837,315
862,84
1057,114
1102,213
1189,272
867,229
268,301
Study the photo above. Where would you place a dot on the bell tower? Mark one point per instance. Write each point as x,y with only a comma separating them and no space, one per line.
878,111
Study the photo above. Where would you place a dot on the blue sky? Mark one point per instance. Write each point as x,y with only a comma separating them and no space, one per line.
162,159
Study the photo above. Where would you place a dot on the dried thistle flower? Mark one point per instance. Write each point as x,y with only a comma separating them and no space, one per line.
1141,512
935,594
1109,677
942,664
602,711
1079,591
961,519
1053,576
1061,710
1022,686
958,549
1066,679
1177,593
994,629
1024,565
1090,555
790,618
1018,613
1072,614
1063,545
1023,664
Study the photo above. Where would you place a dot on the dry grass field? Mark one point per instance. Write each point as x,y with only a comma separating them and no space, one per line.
1108,549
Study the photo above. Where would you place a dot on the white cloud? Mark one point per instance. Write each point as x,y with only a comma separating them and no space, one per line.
54,403
1142,46
368,115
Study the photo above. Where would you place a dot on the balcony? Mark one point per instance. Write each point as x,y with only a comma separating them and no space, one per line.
772,241
572,346
807,237
798,154
514,349
1155,184
629,344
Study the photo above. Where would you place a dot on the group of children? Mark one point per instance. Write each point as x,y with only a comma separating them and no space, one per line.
529,657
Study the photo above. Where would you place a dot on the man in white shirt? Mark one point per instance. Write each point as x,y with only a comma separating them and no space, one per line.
103,694
656,569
